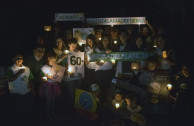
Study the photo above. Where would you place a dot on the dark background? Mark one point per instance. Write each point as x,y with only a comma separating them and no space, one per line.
21,21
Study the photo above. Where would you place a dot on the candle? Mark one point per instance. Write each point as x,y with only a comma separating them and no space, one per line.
117,105
134,67
44,78
164,54
22,67
80,44
69,71
47,28
99,38
155,46
66,51
102,61
115,42
169,86
113,60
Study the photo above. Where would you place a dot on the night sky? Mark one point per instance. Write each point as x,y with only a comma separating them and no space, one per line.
21,21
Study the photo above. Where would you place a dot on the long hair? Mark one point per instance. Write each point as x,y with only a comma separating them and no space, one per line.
91,37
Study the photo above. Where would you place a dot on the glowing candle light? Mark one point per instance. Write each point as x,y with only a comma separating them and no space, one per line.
113,60
164,54
112,25
69,71
155,46
117,105
102,61
169,86
44,78
47,28
66,51
23,67
115,42
80,44
100,38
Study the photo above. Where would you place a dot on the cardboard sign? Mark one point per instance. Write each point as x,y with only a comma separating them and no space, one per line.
85,101
57,72
81,33
121,56
116,21
69,16
76,64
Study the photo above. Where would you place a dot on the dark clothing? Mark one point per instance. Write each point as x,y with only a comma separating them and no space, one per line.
34,66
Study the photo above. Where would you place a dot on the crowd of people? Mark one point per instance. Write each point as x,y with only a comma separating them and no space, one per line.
30,96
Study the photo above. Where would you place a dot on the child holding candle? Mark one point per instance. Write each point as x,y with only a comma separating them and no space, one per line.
49,89
19,79
118,102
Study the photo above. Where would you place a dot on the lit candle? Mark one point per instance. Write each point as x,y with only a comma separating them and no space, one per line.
112,25
66,51
80,44
102,61
69,71
113,60
115,42
164,54
117,105
134,67
22,67
44,78
169,86
99,38
47,28
155,46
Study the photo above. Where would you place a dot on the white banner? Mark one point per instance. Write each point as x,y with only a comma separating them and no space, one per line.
81,33
116,21
69,16
76,64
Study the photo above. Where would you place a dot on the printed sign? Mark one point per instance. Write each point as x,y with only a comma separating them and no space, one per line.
121,56
69,16
116,21
76,64
81,33
57,72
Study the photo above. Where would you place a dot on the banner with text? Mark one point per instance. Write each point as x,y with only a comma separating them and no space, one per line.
69,16
121,56
116,21
81,33
76,64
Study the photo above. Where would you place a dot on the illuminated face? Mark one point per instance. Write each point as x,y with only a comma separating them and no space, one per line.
19,61
123,37
39,52
139,42
90,42
114,34
151,66
59,43
118,97
72,46
52,61
185,71
105,42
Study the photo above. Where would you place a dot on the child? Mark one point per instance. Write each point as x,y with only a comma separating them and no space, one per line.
49,89
132,105
72,80
19,80
118,102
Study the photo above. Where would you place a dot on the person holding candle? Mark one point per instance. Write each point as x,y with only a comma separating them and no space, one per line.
90,66
118,102
49,89
19,79
59,50
75,81
182,93
104,70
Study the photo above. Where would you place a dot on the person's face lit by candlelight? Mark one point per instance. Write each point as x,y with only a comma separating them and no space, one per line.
118,97
151,66
39,52
185,71
52,61
123,37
